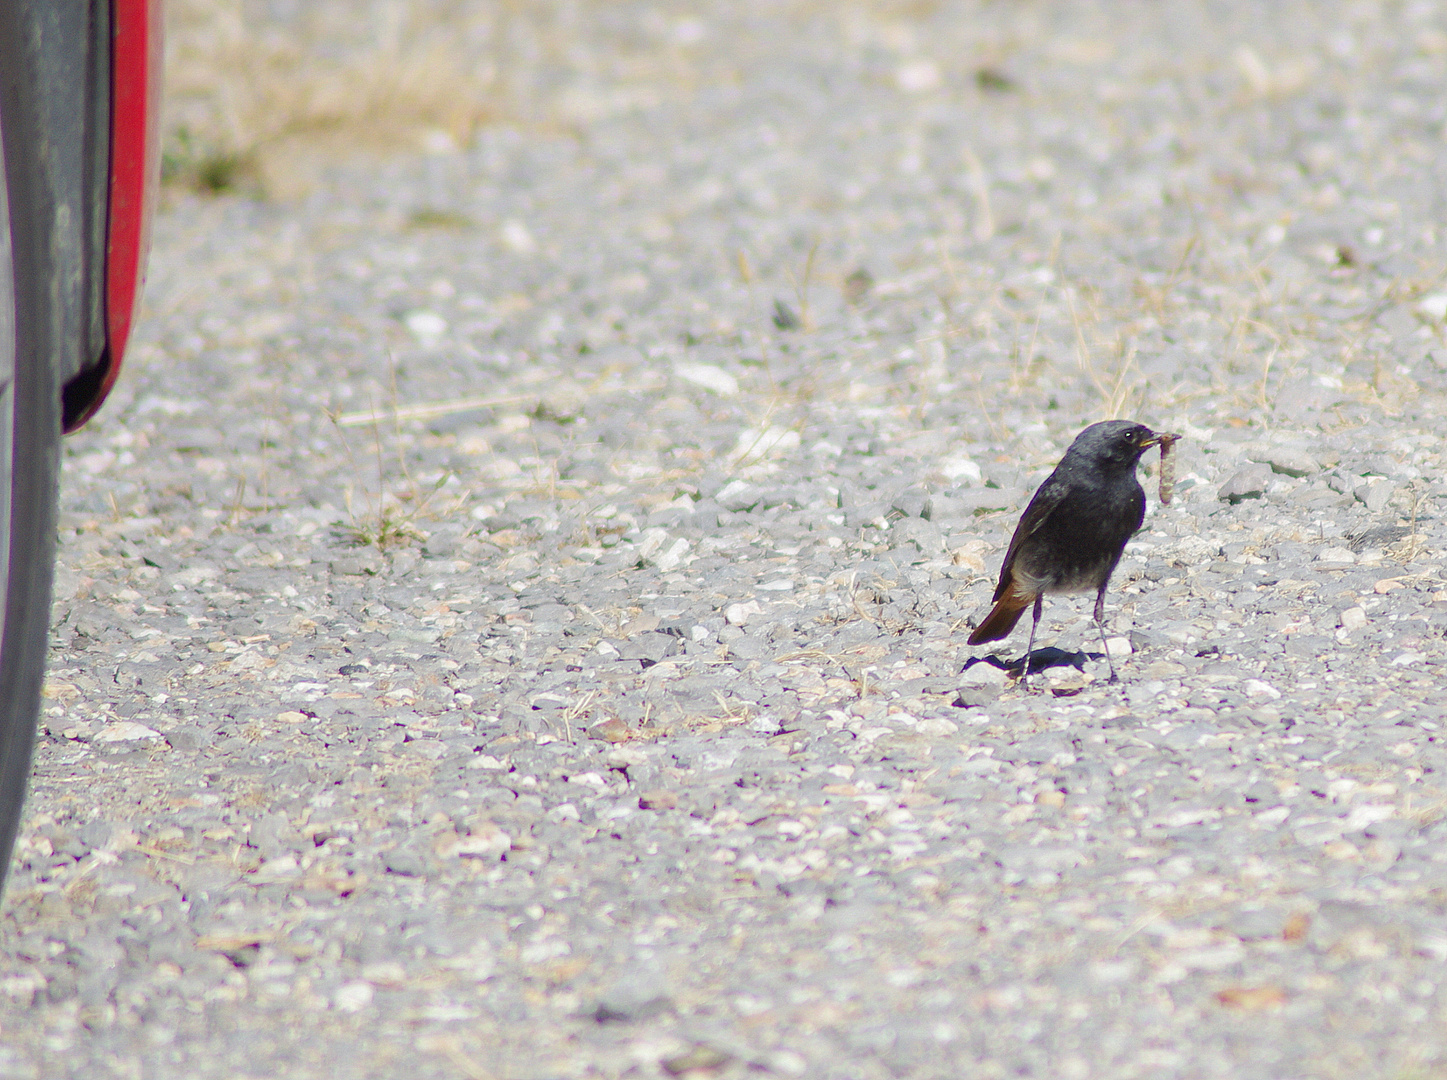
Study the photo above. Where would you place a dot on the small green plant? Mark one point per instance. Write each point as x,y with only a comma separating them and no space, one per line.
386,525
186,162
388,528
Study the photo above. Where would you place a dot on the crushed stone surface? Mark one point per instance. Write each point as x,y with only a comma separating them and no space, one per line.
600,708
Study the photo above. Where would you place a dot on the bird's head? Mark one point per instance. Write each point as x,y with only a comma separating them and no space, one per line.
1116,444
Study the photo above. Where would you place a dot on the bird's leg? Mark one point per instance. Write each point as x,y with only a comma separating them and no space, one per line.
1030,645
1100,624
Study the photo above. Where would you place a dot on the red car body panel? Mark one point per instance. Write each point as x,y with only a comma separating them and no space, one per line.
134,174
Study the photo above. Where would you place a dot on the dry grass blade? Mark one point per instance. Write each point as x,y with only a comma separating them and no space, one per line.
386,526
1117,388
429,410
979,185
801,289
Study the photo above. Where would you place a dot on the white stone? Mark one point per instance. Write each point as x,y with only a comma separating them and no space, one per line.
754,445
1256,688
427,325
937,727
737,495
672,556
738,614
272,871
982,675
1433,306
486,841
918,76
652,541
711,378
517,239
353,996
961,468
1368,814
125,731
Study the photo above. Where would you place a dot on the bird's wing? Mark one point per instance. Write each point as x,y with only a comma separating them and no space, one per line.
1042,504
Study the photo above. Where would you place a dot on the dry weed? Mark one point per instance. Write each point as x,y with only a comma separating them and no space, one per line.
249,97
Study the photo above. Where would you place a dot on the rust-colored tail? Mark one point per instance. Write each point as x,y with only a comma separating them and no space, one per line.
1002,618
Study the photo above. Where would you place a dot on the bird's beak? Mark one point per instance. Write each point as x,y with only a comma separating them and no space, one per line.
1157,439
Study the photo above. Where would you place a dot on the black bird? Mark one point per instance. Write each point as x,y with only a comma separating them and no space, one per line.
1073,532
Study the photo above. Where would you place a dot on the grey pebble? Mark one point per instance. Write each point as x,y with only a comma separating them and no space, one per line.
1288,460
973,697
355,563
404,862
636,995
1248,483
1375,495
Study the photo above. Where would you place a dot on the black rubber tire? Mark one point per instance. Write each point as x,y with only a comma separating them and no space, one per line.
29,475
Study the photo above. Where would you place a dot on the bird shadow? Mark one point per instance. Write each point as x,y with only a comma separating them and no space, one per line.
1040,659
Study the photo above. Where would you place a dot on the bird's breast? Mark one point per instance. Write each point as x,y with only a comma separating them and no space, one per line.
1077,546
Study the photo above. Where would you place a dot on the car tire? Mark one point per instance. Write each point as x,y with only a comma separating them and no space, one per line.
29,477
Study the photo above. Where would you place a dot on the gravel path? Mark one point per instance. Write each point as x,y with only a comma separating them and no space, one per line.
644,747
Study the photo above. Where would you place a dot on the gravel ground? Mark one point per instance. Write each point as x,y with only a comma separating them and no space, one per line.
613,717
